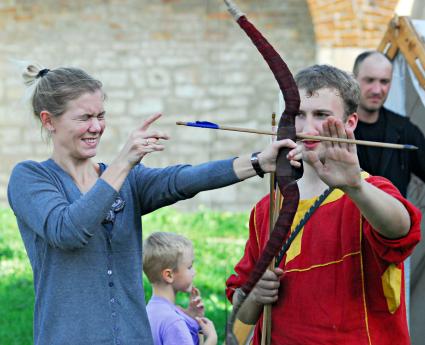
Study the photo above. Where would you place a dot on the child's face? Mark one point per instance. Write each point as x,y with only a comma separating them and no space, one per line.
183,276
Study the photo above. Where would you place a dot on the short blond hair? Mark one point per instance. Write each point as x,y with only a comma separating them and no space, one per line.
163,250
317,77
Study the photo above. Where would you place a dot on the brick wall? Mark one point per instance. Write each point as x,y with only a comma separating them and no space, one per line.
345,28
356,23
184,58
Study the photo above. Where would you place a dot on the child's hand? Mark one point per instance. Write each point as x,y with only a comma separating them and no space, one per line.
208,330
196,306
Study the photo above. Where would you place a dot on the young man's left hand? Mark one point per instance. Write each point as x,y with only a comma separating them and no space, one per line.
339,165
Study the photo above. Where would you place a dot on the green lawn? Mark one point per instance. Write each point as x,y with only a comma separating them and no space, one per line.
218,238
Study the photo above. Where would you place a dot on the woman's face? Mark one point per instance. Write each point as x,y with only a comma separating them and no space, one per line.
76,133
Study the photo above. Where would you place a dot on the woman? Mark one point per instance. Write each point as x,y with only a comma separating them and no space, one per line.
81,221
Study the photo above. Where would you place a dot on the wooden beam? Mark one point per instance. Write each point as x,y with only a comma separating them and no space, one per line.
402,36
413,49
388,45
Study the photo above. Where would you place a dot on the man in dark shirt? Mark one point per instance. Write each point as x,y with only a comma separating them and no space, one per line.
373,71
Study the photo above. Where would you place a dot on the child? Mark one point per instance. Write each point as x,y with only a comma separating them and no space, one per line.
168,264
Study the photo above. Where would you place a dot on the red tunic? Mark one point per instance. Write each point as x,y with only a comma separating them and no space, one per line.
343,282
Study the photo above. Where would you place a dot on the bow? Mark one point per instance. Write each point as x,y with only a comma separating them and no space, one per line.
286,175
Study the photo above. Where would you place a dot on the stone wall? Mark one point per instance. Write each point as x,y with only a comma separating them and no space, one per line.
185,58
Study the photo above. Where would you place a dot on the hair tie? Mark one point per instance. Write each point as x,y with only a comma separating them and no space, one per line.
42,73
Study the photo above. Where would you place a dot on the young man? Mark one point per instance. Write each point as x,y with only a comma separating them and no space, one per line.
341,281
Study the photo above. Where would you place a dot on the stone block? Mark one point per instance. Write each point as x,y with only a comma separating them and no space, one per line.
114,79
205,104
185,75
115,106
138,78
158,77
10,136
189,91
146,107
120,94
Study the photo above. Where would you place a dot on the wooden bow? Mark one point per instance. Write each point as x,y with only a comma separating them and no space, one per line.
286,175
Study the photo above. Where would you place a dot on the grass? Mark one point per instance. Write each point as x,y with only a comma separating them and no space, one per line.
218,239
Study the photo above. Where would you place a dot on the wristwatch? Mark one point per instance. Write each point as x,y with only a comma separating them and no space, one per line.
256,164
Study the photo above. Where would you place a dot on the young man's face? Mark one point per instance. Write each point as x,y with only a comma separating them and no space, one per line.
315,109
374,77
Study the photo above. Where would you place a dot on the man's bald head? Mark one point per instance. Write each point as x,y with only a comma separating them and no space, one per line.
371,55
373,71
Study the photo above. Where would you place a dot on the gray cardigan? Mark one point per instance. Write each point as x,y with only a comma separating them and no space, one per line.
88,280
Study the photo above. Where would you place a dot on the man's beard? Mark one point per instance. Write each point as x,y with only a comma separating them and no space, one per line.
371,109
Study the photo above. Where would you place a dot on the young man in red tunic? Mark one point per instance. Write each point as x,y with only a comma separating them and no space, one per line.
342,279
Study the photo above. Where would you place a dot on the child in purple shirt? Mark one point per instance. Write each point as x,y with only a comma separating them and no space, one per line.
168,264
